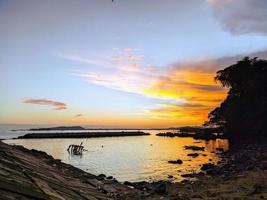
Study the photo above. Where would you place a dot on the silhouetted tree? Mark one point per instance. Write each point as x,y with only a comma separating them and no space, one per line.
244,111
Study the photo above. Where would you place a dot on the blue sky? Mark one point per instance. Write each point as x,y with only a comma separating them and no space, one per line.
109,62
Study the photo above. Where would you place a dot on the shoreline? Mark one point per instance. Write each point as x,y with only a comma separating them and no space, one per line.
240,174
32,174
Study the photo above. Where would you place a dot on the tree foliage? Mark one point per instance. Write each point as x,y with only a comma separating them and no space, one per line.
244,111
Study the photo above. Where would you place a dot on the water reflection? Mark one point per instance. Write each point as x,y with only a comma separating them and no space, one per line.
131,158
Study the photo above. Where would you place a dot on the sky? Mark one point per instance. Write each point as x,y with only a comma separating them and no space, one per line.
131,64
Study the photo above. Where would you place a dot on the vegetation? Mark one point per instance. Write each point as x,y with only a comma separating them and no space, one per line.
244,111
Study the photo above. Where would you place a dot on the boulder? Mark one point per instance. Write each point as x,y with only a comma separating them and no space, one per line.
195,148
207,166
193,155
175,161
161,188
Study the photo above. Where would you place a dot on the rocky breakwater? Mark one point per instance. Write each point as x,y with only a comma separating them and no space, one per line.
82,134
201,133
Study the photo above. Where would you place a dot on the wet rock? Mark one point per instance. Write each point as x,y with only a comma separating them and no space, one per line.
220,149
201,174
195,148
100,178
188,175
102,175
161,188
167,134
128,183
193,155
142,185
179,161
207,166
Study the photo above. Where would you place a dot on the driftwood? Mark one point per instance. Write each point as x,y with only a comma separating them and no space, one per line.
76,149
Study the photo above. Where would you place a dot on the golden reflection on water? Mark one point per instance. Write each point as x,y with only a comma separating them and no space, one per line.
132,158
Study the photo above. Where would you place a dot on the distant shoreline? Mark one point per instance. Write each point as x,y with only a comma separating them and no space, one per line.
80,128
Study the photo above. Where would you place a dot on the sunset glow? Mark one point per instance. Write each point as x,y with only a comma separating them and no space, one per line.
119,64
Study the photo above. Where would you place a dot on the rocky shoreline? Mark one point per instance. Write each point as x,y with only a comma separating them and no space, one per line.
31,174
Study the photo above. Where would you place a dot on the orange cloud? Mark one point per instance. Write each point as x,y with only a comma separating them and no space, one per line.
197,91
57,105
187,92
190,85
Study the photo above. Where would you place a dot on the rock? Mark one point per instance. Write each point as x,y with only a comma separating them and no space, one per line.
201,174
109,177
193,155
195,148
102,175
188,175
175,161
167,134
263,165
197,196
141,185
250,167
207,166
160,188
220,149
128,183
170,176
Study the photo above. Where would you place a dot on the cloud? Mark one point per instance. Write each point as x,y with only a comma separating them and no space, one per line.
124,71
55,104
177,110
193,83
197,90
78,115
186,90
241,16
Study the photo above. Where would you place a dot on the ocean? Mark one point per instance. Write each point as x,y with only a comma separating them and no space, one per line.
133,158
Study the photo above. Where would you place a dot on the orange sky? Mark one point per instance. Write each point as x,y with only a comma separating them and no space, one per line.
123,63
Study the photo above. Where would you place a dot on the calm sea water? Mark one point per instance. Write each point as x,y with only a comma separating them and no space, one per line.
128,158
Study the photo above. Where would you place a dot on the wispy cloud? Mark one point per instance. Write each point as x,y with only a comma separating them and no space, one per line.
241,16
124,71
55,104
186,90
